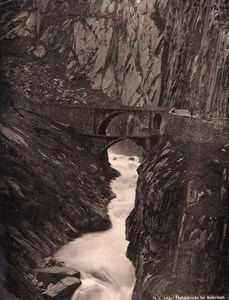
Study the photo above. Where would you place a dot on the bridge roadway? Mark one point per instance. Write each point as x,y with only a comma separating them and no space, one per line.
25,103
90,123
129,108
95,119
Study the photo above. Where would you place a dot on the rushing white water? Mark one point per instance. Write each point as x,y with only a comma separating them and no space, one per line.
100,257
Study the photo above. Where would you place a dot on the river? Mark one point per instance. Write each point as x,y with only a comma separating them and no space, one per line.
106,273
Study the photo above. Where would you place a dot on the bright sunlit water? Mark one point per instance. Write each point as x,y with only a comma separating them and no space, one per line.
106,273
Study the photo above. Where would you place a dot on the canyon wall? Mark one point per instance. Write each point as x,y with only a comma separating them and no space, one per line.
51,191
141,52
178,230
154,53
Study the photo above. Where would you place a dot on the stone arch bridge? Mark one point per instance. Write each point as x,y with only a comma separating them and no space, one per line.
150,121
91,123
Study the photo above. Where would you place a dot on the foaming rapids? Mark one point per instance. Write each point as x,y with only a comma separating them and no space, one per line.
106,273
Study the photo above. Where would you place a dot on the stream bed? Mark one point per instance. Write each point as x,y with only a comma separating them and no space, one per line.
106,273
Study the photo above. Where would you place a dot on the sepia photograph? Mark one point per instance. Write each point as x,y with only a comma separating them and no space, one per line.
114,149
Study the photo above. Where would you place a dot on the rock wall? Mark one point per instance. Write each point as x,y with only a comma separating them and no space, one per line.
143,52
184,128
51,191
178,230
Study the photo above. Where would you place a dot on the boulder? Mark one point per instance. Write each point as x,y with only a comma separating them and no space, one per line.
39,51
55,273
63,288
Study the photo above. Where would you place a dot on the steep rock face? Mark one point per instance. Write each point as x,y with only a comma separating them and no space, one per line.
152,53
178,230
51,191
143,52
196,76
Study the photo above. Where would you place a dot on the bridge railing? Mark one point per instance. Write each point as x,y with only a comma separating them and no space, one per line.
111,137
29,104
83,118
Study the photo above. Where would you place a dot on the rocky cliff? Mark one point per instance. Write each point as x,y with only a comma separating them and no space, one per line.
142,52
178,230
51,191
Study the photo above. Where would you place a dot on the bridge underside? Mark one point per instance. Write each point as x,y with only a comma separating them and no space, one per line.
103,118
99,144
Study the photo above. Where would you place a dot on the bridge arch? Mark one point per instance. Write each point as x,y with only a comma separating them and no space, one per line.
129,123
157,120
103,126
104,150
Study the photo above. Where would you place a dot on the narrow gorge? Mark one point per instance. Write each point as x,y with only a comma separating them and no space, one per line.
107,272
80,76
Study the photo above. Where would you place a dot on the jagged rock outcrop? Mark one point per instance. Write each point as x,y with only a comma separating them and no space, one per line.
54,274
51,191
143,52
178,230
63,289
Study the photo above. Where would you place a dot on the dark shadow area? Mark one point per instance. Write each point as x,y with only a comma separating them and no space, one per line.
125,125
227,112
157,121
103,127
5,88
6,95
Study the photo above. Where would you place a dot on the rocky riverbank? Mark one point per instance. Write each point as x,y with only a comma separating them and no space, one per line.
178,230
51,191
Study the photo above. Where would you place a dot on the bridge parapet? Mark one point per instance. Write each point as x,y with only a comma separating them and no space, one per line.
79,117
86,119
198,130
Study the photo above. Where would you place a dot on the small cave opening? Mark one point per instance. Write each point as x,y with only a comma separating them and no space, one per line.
157,121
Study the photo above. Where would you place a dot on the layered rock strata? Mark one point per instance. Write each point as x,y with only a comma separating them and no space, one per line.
166,53
143,52
51,191
178,230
